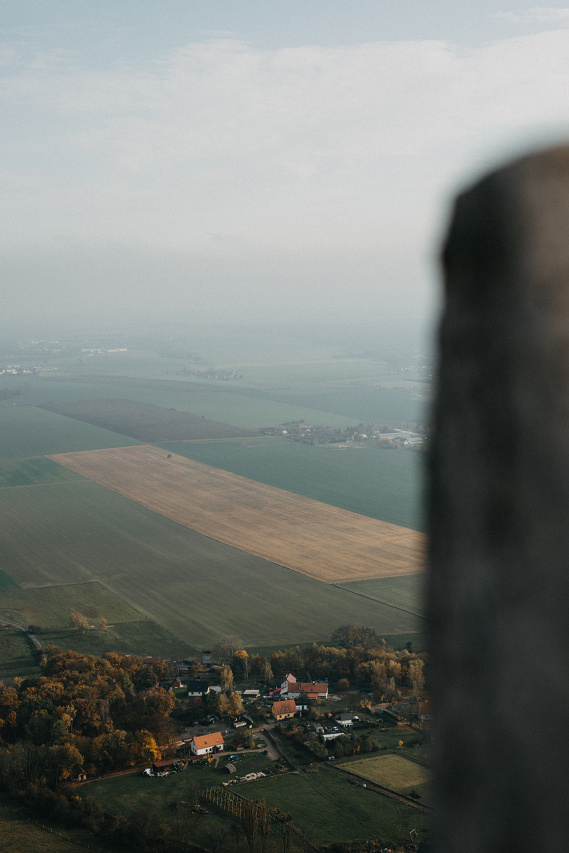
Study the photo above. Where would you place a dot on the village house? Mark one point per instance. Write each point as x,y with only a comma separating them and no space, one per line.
293,689
171,683
425,711
197,688
345,720
206,744
285,709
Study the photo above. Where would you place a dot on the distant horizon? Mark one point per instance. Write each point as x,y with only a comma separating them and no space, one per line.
253,162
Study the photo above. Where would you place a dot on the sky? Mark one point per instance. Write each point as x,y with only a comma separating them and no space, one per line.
246,160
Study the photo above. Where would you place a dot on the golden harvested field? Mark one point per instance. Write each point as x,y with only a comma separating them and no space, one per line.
310,537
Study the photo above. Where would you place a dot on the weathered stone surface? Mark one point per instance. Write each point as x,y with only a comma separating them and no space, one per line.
499,516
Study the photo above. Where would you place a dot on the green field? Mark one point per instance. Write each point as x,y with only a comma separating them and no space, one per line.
23,832
30,471
405,591
383,484
195,587
6,582
58,529
144,421
17,656
49,608
28,431
333,809
366,403
238,404
394,772
323,803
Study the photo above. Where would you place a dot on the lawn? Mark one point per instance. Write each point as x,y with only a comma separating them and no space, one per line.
382,484
194,587
393,771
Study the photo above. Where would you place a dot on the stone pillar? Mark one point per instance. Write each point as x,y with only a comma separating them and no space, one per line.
499,516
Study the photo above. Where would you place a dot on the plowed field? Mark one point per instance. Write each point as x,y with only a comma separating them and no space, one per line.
310,537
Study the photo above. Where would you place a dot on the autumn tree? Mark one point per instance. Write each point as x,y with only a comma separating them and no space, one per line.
240,664
226,647
225,676
78,621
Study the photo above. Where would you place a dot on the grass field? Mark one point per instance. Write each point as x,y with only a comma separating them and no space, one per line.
392,771
237,404
16,655
28,431
49,608
324,803
6,582
22,832
193,586
405,591
333,809
367,402
383,484
326,543
144,421
27,472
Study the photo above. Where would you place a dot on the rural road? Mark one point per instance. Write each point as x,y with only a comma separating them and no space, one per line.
225,729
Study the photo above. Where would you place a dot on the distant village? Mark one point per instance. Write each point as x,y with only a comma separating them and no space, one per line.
405,435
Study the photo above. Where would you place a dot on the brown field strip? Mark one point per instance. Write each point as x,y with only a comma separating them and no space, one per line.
310,537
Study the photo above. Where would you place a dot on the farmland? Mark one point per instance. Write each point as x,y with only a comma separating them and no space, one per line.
392,771
144,421
405,591
323,803
23,832
328,544
382,484
61,531
30,431
83,532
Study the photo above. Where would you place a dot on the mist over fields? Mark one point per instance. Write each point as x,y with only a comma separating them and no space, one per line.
284,406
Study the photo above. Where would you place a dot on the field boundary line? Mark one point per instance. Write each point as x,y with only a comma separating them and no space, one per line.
381,789
379,600
313,538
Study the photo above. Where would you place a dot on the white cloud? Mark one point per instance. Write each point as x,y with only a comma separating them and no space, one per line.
221,150
537,15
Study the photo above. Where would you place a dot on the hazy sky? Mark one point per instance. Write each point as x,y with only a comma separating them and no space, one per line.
239,158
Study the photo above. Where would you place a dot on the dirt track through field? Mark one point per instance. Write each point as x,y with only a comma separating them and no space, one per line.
310,537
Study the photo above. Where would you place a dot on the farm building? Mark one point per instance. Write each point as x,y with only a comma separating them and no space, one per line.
205,744
345,720
250,694
285,709
166,764
292,689
171,683
197,688
425,711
